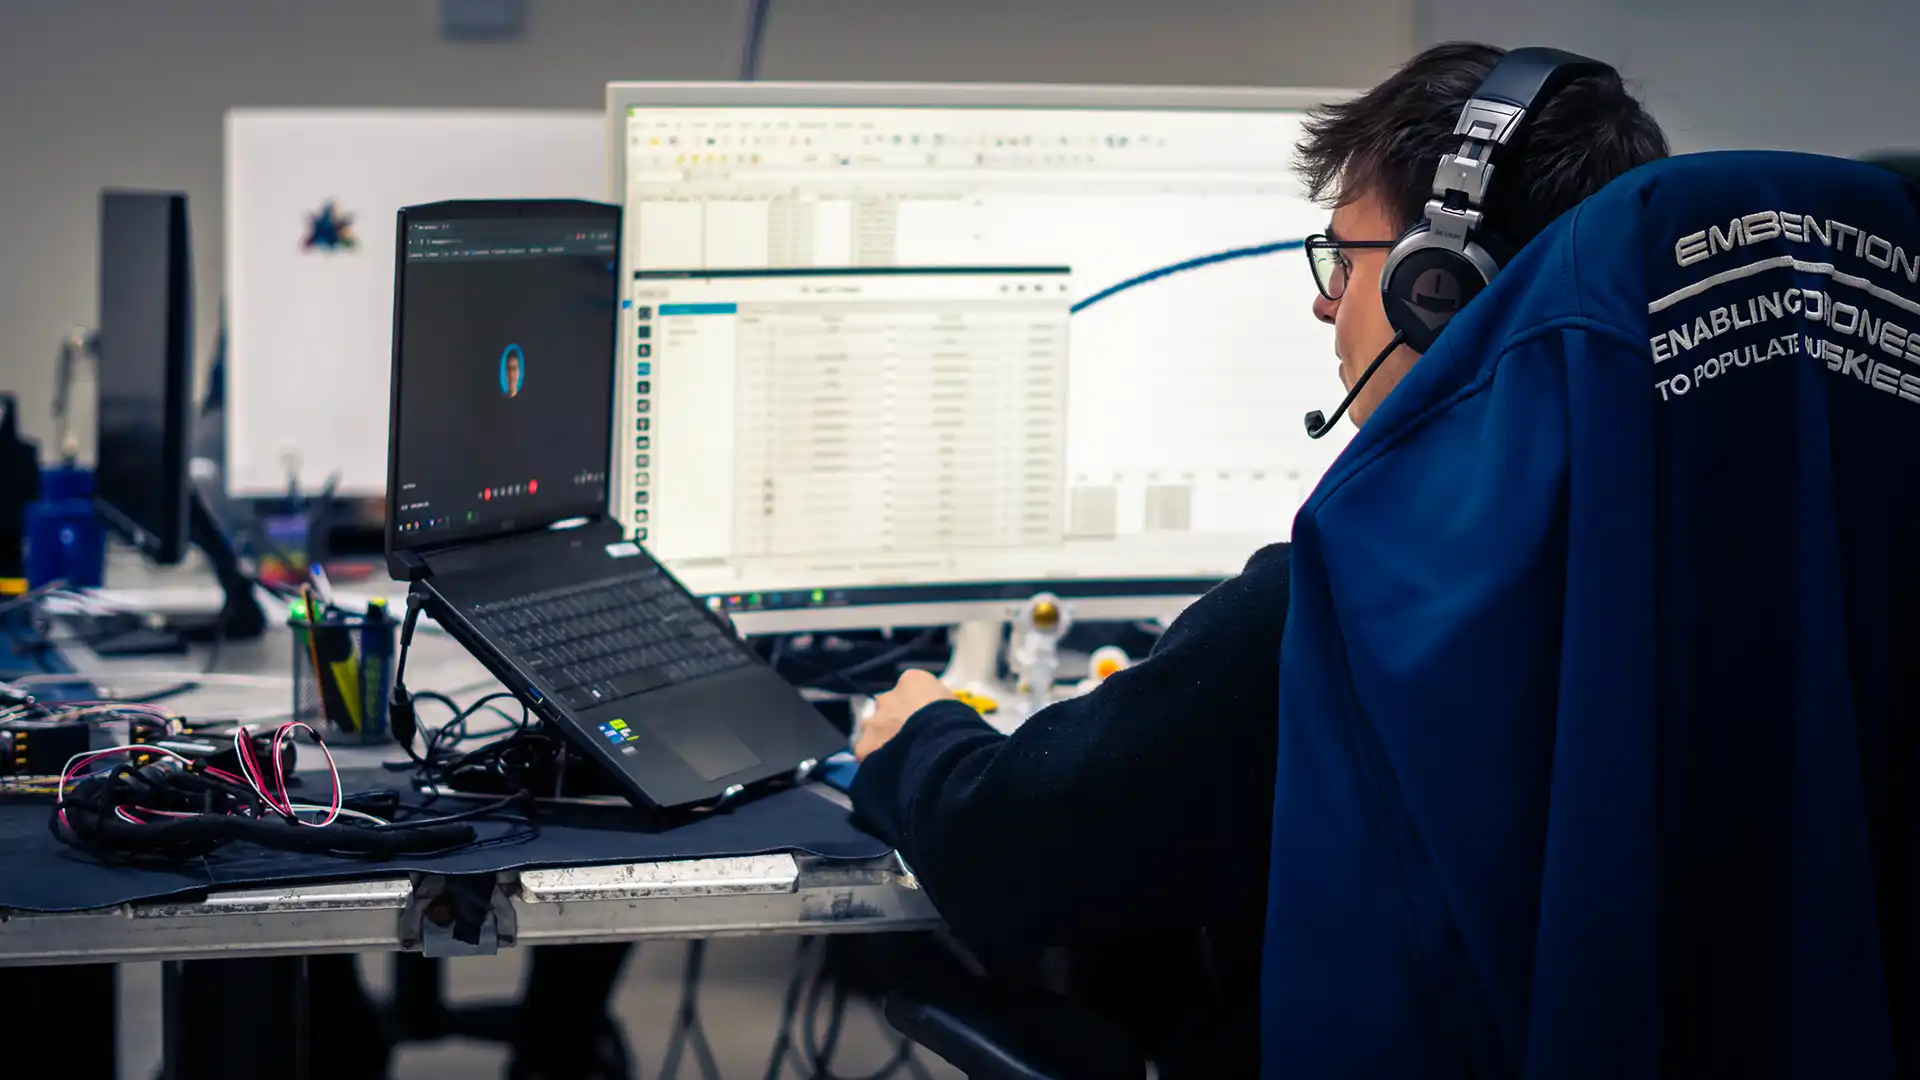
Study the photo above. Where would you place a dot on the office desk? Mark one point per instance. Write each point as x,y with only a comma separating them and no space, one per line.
761,894
752,895
261,933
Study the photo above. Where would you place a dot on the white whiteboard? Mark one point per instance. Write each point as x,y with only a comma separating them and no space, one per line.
310,329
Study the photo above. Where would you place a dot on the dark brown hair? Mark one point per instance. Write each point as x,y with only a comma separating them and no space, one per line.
1389,141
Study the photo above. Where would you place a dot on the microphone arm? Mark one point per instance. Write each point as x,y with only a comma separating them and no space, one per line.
1317,422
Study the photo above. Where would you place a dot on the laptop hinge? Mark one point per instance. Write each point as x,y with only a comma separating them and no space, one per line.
412,565
604,527
406,566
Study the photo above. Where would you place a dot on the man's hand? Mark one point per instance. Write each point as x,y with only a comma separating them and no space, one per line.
891,710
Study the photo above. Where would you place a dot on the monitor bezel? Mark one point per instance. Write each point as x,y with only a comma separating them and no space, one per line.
483,210
1102,598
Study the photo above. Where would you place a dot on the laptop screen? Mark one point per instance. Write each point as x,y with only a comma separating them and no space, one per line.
504,326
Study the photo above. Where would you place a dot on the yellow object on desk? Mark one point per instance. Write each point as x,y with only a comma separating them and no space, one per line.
980,703
1107,661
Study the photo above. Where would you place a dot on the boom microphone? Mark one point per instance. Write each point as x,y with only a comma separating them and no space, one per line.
1317,422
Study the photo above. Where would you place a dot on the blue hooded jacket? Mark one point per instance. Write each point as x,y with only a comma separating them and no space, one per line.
1600,684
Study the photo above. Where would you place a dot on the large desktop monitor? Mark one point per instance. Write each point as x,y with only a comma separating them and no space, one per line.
310,201
893,355
144,351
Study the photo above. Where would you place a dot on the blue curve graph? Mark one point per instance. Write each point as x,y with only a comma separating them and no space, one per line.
1181,267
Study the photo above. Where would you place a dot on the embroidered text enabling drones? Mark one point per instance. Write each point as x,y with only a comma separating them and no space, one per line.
1867,327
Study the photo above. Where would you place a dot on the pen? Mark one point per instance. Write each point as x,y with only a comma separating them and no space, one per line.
322,588
376,649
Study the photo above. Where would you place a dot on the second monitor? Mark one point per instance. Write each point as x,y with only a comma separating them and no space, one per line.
936,345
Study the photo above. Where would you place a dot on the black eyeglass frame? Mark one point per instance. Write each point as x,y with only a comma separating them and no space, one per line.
1320,243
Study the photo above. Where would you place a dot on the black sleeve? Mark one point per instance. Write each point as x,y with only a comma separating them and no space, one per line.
1144,804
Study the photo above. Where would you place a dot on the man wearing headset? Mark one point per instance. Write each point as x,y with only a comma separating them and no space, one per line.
1145,807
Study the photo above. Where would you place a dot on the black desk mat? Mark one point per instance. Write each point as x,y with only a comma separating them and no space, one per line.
39,873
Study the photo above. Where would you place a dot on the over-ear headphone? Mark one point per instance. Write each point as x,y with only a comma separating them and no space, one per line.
1449,256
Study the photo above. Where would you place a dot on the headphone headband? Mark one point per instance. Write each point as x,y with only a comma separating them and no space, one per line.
1520,82
1444,260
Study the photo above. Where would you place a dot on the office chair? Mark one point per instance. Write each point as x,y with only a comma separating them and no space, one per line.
1592,671
1090,1011
996,1030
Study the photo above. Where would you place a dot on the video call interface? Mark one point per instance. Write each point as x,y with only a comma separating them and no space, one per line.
505,368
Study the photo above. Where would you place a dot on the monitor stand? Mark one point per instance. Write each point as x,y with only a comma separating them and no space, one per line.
975,663
240,617
974,668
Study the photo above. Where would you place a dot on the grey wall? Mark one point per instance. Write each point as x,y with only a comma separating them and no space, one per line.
131,92
1829,76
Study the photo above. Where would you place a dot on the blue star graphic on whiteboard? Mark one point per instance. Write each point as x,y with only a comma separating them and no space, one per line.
330,230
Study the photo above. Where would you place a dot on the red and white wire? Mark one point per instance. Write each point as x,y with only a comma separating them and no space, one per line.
77,761
333,771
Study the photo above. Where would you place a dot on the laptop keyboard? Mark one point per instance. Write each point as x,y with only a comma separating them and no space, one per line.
610,639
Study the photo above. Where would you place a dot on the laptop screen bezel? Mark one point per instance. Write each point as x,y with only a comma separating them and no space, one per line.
489,210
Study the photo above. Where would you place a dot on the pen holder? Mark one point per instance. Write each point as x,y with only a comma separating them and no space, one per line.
343,674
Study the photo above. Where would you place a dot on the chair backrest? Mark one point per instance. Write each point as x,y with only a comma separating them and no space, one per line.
1601,683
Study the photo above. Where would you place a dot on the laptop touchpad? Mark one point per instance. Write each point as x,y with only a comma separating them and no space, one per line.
705,745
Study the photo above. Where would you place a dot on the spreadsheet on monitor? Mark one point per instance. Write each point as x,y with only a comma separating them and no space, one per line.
868,346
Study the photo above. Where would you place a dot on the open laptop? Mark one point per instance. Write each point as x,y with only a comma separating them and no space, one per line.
499,446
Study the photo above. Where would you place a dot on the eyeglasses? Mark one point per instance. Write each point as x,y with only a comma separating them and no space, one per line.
1329,261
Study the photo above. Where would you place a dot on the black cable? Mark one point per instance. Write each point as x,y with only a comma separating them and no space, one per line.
487,810
163,694
215,648
889,656
841,677
434,765
756,32
821,1053
454,731
783,1042
217,813
814,1059
404,721
400,715
687,1029
109,816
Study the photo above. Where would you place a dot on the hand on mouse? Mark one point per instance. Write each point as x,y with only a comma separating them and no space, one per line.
892,709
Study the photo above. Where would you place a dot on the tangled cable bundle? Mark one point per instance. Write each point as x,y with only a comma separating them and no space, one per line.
156,804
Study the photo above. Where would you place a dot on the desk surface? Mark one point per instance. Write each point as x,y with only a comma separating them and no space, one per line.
751,895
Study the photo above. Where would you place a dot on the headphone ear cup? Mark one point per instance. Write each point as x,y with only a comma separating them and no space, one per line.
1423,285
1393,283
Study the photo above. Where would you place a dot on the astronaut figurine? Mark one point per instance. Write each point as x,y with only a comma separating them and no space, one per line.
1036,648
